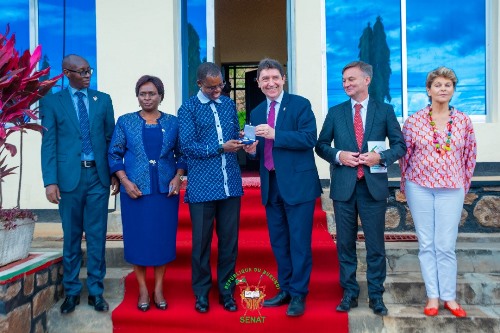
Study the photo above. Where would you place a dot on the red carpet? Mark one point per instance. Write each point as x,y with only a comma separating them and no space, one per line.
256,266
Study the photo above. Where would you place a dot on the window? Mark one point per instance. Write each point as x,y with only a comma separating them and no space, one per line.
404,40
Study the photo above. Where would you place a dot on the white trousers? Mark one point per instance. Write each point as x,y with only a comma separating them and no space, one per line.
436,213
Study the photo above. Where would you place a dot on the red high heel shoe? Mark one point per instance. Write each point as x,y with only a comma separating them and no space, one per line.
458,312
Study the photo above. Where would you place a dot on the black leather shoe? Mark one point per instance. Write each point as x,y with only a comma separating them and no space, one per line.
99,303
378,306
296,307
347,303
282,298
201,304
228,303
69,304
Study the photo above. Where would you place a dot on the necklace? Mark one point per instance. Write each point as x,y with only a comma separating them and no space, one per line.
441,148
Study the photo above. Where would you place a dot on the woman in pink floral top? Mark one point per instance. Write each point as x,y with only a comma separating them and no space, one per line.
436,173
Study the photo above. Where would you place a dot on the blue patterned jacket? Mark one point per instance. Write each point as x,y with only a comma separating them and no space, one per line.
204,125
126,151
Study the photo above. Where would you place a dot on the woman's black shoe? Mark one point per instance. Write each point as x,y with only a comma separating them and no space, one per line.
143,306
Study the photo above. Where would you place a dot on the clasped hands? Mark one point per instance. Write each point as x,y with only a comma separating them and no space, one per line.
353,159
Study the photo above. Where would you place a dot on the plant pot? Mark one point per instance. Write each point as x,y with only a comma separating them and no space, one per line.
15,243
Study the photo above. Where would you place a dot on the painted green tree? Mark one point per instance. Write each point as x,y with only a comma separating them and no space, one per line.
373,49
193,58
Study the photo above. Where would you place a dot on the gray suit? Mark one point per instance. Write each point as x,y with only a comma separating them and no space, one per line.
366,197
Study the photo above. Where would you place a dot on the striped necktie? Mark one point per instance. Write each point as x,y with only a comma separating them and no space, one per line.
84,124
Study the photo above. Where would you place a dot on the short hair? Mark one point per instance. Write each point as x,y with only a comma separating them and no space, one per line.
269,63
69,60
444,72
154,80
363,66
207,69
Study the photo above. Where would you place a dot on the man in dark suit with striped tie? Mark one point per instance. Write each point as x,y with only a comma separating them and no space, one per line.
356,191
286,131
78,124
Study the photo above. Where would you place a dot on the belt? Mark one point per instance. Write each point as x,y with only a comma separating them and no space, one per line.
88,164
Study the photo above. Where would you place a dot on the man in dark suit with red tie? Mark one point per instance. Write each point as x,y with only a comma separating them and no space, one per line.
286,133
354,189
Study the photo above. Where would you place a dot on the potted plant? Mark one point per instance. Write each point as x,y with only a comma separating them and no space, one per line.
20,88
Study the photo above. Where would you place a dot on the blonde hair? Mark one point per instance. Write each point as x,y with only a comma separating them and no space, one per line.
442,71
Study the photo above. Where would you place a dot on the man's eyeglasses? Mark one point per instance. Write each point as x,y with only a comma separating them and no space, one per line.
82,72
213,88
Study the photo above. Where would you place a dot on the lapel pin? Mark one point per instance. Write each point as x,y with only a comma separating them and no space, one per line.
95,98
284,109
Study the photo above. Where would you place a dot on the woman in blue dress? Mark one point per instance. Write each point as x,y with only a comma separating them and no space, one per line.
144,155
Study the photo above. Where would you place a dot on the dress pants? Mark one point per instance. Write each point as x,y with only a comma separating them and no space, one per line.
226,214
290,232
436,213
372,215
85,209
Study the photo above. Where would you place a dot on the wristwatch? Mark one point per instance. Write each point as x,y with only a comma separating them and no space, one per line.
181,177
382,159
220,150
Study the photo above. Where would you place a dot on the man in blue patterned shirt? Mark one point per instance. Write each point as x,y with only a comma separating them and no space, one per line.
209,133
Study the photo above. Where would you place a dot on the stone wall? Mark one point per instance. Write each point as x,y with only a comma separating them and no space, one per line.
25,301
481,212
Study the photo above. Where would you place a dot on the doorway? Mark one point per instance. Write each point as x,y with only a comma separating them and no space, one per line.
246,32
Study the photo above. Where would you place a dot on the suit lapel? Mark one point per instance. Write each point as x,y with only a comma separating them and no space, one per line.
370,116
69,107
349,122
282,110
93,100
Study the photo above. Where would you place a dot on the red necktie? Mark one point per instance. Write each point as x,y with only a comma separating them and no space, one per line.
268,146
358,129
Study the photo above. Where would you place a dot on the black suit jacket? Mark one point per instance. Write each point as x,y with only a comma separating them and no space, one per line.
381,123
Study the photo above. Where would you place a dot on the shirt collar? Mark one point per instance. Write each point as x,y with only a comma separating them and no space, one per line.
72,91
278,100
363,103
204,99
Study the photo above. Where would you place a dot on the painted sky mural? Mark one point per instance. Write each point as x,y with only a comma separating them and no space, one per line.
451,35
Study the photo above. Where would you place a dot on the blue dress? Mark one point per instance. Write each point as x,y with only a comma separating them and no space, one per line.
150,222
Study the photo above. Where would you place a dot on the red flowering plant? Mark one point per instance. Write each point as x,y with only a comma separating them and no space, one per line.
20,88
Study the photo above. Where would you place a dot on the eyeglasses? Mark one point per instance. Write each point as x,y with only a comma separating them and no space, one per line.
213,88
83,72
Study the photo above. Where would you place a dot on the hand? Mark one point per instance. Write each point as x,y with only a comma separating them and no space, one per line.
115,185
251,149
53,194
265,131
131,189
232,146
174,186
370,158
349,158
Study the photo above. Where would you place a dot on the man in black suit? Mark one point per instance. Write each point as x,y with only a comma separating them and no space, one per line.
286,131
354,189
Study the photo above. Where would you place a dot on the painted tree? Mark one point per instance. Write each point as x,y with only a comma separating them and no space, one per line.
373,49
365,44
193,58
381,62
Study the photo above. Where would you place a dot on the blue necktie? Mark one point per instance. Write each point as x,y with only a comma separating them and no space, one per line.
84,124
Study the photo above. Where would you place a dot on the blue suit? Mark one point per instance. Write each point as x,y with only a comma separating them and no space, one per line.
366,197
84,191
289,192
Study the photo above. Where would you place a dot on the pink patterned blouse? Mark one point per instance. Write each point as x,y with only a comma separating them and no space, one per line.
423,165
